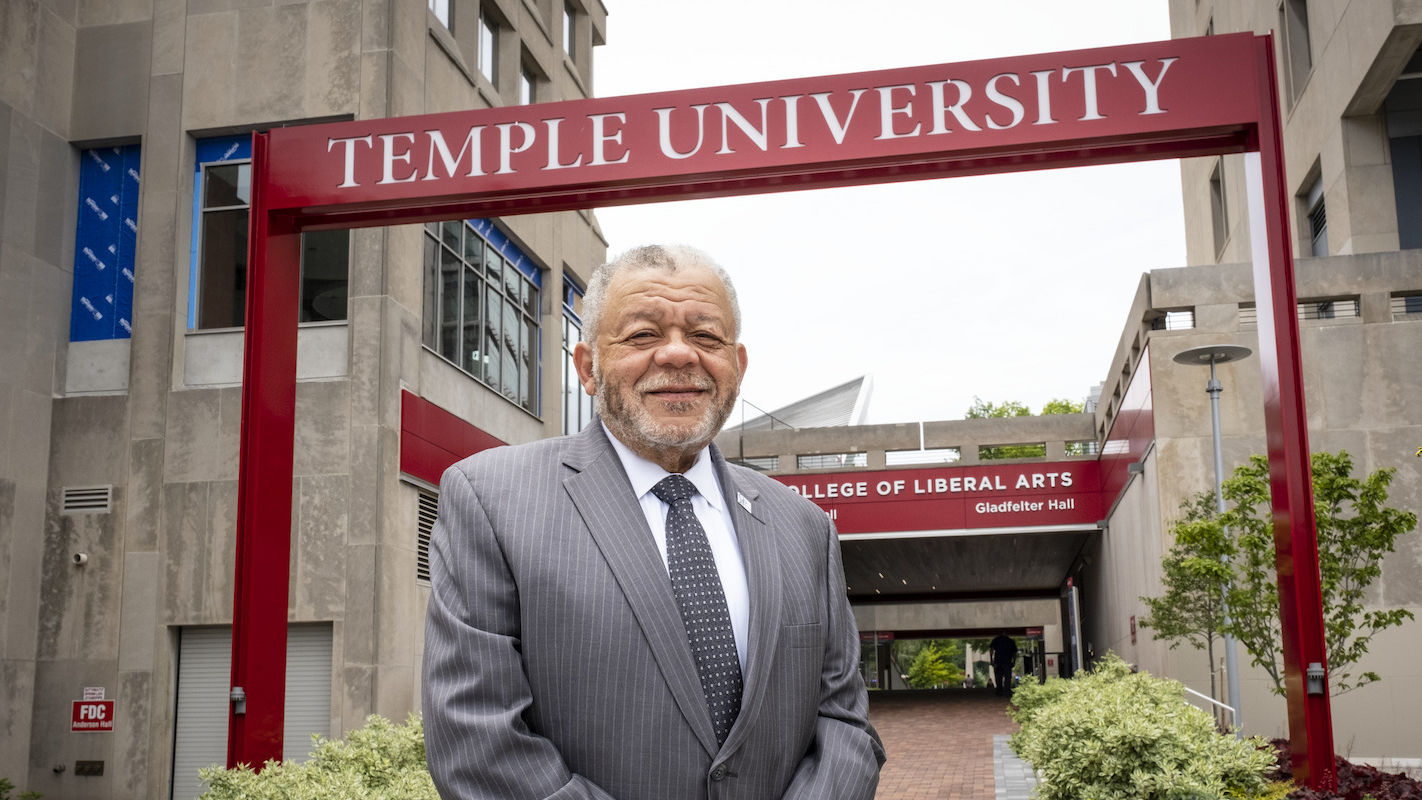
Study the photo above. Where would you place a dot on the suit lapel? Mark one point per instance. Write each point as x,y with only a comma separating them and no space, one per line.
603,497
761,557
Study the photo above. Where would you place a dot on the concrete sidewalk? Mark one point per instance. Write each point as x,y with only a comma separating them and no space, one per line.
948,745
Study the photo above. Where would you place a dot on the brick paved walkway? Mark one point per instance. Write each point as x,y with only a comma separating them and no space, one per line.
940,743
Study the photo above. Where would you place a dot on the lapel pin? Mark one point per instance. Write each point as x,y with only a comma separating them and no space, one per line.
744,502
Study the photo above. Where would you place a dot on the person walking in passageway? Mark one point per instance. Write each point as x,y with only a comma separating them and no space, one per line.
1004,655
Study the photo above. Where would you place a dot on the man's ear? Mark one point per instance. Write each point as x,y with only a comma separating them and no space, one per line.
582,360
741,358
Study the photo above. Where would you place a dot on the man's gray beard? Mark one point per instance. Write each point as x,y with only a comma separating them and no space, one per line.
635,426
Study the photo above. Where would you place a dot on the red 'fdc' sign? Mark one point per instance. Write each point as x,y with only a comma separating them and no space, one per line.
92,716
953,499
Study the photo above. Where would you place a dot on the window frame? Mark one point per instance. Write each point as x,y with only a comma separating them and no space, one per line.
444,6
520,339
487,48
1295,41
237,153
577,404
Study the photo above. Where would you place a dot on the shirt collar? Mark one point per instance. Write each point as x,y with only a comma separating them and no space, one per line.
644,474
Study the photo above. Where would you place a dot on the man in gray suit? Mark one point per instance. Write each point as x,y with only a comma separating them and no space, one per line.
620,614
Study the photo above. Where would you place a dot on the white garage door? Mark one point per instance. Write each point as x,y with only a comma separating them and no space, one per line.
204,673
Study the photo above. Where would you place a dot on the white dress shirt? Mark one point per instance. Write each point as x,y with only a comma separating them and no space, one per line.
709,503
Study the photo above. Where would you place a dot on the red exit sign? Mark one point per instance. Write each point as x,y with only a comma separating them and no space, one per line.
92,716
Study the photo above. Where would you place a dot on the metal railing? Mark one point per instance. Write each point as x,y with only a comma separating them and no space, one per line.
1220,709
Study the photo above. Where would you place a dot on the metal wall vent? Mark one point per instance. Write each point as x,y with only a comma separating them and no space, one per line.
86,500
429,510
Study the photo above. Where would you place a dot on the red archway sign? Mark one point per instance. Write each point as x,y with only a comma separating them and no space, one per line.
1180,98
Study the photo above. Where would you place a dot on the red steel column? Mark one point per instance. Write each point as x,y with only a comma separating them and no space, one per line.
264,478
1290,474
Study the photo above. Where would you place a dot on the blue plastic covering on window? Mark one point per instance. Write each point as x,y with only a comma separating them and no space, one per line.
510,251
105,241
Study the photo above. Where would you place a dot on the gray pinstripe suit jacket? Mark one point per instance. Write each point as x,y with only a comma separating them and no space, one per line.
556,664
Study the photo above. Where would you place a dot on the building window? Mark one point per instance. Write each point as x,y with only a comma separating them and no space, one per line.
832,461
488,47
440,8
222,194
1177,320
1298,57
577,405
940,455
1219,208
1404,131
1317,216
105,240
1343,308
481,307
527,84
570,19
1406,306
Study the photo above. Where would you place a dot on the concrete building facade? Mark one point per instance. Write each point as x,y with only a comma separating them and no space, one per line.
122,180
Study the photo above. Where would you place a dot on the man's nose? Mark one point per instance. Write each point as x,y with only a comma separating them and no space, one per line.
676,351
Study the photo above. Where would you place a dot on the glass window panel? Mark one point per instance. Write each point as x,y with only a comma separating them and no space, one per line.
450,234
450,270
227,185
473,248
570,407
530,298
492,350
324,259
473,362
429,333
512,279
488,47
530,362
510,355
568,30
224,269
494,267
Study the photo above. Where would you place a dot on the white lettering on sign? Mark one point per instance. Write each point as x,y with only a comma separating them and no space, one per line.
999,102
838,487
1013,506
95,716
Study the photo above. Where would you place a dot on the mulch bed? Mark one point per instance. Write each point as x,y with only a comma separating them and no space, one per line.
1355,781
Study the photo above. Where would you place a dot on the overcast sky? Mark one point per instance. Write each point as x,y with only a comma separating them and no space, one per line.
1007,287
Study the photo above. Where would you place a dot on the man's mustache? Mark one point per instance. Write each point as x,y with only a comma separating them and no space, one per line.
680,379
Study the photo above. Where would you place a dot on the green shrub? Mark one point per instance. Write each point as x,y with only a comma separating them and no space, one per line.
381,761
1112,734
6,787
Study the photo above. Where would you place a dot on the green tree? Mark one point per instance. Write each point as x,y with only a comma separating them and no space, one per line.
932,669
1196,575
982,409
1355,530
1060,406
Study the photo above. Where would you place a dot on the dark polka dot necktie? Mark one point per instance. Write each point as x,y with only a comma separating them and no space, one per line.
698,591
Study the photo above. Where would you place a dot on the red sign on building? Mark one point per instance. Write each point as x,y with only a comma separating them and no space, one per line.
92,716
953,499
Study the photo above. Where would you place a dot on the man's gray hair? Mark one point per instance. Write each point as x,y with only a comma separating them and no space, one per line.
663,257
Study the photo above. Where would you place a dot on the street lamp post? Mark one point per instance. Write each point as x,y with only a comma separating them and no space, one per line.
1212,355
